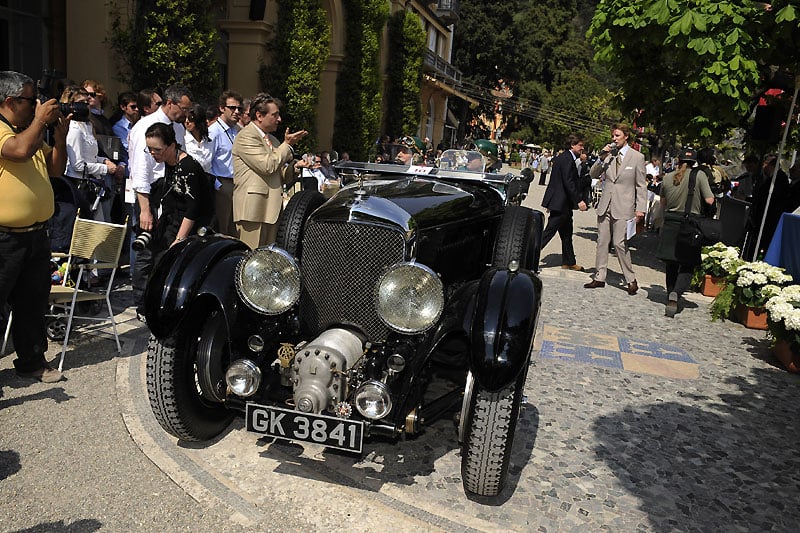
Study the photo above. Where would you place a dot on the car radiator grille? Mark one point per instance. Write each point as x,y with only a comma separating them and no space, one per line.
341,264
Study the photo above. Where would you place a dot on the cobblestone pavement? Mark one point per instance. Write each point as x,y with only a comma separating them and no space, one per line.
633,422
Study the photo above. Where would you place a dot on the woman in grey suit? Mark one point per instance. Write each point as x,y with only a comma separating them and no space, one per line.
621,168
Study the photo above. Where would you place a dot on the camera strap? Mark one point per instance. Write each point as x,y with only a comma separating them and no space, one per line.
10,125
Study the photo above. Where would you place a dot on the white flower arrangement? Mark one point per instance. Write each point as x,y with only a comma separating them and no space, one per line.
751,284
783,315
719,260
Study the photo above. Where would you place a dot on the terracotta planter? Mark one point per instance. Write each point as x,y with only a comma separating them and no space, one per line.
752,317
712,285
789,359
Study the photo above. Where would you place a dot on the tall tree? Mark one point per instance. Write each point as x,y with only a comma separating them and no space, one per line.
695,67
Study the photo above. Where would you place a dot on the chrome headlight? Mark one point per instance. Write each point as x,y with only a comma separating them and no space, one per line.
268,280
410,297
373,400
243,377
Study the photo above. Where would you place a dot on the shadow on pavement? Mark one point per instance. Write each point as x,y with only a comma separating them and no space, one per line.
735,465
79,526
401,462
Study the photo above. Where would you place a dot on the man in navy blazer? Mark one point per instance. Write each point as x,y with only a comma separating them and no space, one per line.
561,197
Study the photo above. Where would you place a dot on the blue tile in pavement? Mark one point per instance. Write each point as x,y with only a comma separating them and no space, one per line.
654,349
581,354
617,352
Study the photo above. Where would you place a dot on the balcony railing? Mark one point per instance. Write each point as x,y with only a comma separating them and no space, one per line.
447,10
440,67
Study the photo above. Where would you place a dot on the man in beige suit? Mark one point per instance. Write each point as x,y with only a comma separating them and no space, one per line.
261,165
624,196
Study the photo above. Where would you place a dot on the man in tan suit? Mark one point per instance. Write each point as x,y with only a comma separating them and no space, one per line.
624,196
261,165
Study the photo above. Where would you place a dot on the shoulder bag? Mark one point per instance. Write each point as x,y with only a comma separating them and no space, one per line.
696,230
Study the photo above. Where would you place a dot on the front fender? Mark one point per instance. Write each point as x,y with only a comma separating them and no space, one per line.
503,325
201,265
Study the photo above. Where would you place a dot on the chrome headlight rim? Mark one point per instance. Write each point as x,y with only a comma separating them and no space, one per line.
383,392
246,295
431,276
252,379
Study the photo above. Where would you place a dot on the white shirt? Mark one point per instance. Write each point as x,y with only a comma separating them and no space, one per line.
82,152
142,167
202,151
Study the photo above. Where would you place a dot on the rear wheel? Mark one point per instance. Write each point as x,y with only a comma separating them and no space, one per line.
487,435
293,220
516,239
174,378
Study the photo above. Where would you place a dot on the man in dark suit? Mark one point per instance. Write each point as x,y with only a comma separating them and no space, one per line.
561,197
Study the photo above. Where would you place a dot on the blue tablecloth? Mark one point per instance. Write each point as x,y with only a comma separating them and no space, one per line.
784,249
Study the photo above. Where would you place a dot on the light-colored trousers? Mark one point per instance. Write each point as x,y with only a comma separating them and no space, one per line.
255,234
608,228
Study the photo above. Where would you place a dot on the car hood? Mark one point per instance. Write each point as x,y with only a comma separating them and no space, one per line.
412,203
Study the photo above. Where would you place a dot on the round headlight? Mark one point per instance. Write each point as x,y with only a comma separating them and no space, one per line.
410,298
268,280
373,400
243,377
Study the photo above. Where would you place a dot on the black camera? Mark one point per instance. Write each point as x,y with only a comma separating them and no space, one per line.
142,241
48,87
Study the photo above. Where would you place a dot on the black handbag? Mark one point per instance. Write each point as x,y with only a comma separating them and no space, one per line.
693,231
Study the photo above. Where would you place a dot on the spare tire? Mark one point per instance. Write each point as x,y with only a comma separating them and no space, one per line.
293,220
518,238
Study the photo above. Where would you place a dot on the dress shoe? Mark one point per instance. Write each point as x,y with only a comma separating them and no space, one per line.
633,287
572,267
44,374
594,284
672,305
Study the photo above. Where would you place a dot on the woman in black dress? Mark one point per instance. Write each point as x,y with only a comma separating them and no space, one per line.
182,198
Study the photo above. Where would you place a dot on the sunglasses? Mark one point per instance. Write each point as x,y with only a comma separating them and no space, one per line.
235,108
91,95
30,99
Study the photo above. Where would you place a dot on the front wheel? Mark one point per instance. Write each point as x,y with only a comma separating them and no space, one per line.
174,379
487,435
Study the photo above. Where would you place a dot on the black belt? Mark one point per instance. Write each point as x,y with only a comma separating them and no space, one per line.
33,227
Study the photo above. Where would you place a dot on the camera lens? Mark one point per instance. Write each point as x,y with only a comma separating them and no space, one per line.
141,242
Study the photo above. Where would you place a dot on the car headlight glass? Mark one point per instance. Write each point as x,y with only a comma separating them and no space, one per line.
373,400
410,297
243,377
268,280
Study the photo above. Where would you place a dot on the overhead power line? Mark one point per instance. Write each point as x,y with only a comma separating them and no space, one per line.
533,110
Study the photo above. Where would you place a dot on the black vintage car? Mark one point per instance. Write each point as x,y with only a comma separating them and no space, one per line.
406,278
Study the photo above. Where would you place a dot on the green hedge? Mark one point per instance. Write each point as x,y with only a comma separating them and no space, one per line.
358,87
165,42
300,49
406,52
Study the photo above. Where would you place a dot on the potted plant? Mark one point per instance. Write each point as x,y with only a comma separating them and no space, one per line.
746,292
783,321
717,262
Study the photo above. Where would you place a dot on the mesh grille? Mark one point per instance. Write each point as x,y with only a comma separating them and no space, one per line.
341,265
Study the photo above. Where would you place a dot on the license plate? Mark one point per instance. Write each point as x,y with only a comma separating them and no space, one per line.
288,424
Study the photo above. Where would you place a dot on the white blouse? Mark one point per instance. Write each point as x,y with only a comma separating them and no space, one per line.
202,152
82,156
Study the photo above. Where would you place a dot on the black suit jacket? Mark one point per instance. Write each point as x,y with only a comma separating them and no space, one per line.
562,191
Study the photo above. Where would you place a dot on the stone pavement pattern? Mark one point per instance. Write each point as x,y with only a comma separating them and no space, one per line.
632,422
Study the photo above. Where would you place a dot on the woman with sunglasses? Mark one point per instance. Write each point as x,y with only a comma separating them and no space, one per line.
183,195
